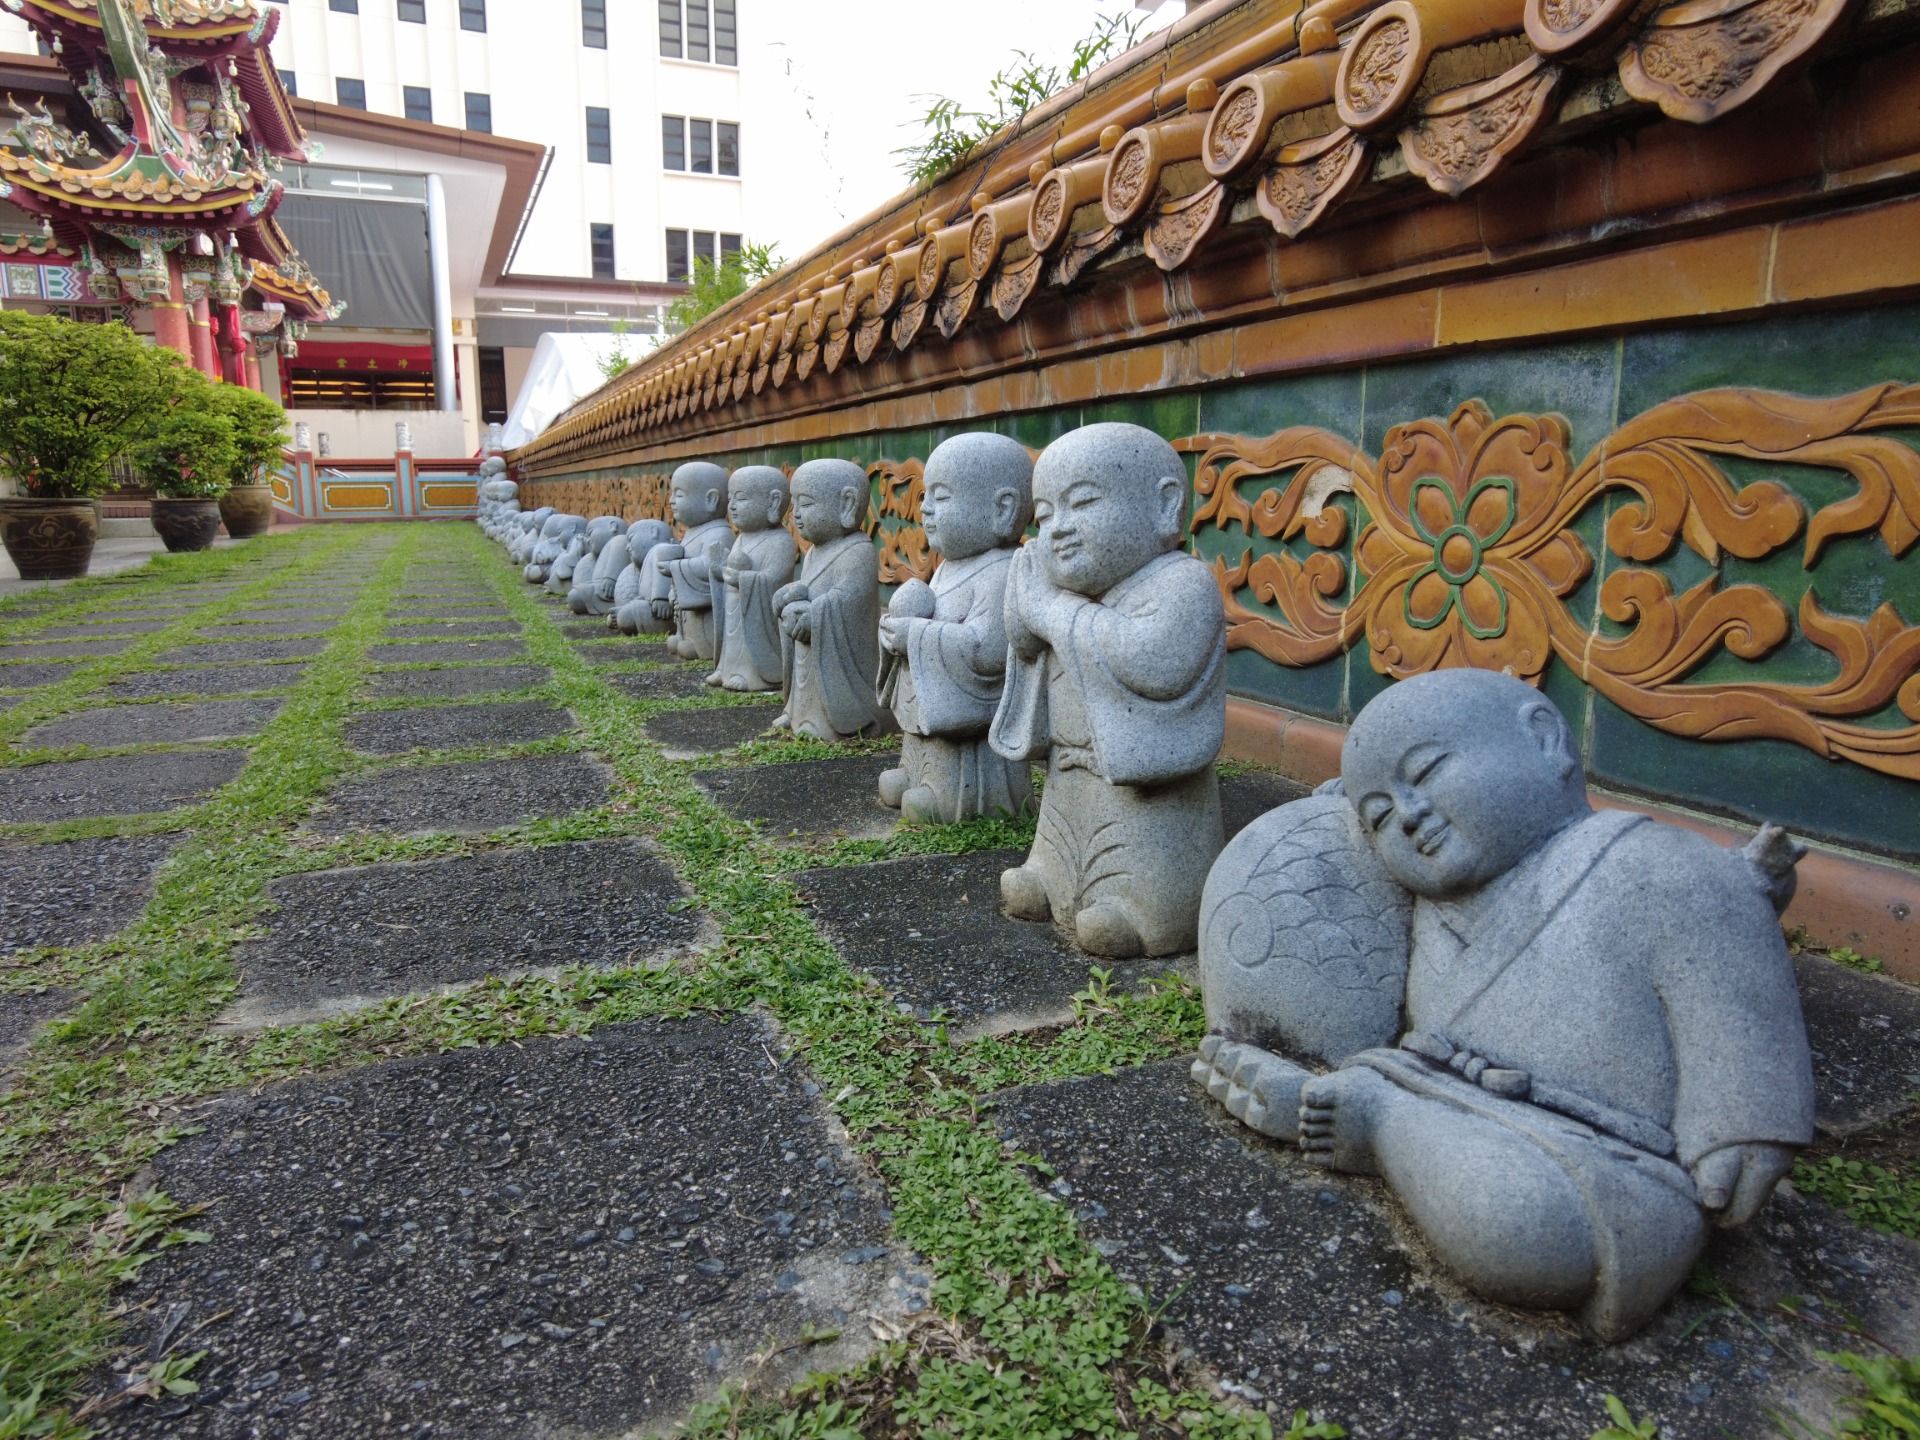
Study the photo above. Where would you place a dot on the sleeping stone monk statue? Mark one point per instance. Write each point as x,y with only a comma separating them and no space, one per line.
1568,1040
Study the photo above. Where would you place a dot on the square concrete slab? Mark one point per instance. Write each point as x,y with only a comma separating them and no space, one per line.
157,724
471,798
451,629
443,727
613,649
108,626
208,680
930,930
66,649
810,799
226,652
667,683
76,892
1298,1285
589,629
31,677
22,1013
123,785
455,684
706,732
440,604
347,937
447,652
565,1238
1865,1033
229,632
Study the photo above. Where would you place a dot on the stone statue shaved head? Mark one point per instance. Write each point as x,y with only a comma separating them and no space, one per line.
977,493
698,492
1108,498
1458,775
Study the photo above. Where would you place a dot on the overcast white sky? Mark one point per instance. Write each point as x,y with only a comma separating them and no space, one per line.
838,85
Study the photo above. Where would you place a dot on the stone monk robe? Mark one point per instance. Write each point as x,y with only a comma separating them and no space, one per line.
830,617
637,584
1568,1041
943,648
699,502
1116,672
758,566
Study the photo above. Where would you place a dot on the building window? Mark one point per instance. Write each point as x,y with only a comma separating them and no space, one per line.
726,42
593,24
729,156
670,28
414,11
286,82
678,265
702,146
419,102
729,246
602,243
345,7
473,15
351,93
599,136
493,385
698,46
715,147
479,112
673,142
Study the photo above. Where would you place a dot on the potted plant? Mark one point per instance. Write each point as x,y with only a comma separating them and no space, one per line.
259,437
73,398
187,460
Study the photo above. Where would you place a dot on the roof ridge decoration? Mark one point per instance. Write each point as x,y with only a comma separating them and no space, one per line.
1308,106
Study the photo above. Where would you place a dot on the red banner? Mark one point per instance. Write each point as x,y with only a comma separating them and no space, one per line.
387,359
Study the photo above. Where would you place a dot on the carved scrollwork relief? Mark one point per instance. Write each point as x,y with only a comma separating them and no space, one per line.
1460,138
1469,557
1305,181
1699,59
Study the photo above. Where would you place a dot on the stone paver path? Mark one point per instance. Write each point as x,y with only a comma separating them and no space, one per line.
538,1047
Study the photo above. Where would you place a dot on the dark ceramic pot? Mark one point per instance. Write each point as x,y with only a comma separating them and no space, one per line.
248,510
48,539
188,523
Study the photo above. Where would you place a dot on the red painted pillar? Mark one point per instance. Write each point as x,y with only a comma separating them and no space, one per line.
252,367
231,344
203,358
172,326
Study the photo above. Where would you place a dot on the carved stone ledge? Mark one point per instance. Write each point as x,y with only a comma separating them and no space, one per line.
1462,137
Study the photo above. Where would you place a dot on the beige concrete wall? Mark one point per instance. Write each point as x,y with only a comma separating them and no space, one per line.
368,434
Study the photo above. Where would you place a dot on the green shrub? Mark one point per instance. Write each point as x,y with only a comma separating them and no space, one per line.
73,399
191,453
259,432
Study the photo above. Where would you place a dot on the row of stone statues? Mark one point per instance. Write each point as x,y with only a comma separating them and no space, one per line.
1568,1040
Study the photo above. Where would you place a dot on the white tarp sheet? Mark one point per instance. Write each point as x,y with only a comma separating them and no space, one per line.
564,367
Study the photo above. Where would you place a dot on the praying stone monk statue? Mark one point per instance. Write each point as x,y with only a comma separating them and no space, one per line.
592,592
830,616
555,536
1568,1040
1116,673
757,567
531,529
636,586
576,564
943,647
699,503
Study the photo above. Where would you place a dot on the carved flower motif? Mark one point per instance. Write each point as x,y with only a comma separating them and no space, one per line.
1467,547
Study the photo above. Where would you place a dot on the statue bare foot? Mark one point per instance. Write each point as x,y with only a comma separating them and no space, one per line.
1257,1087
1023,896
1105,928
716,680
1340,1116
893,786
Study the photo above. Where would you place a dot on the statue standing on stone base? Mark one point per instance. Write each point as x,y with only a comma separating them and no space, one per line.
944,646
758,566
830,616
699,501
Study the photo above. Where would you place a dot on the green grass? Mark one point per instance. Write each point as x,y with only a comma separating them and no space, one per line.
1872,1194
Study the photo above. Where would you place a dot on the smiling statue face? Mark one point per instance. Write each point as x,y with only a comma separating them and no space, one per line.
1108,499
1459,775
756,496
977,494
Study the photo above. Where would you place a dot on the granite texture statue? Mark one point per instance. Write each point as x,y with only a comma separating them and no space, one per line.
582,550
634,589
555,536
830,616
1569,1041
531,530
1116,673
699,503
943,647
592,593
757,567
581,588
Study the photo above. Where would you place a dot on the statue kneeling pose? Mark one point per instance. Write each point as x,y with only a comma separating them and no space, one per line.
758,566
688,570
943,647
637,584
1117,673
1567,1040
830,616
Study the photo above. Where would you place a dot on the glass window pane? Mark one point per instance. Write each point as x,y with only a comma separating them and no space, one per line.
419,102
480,112
706,246
345,7
726,43
702,147
414,11
473,15
697,48
729,134
351,93
673,142
593,24
729,246
678,265
670,28
601,237
286,82
599,136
